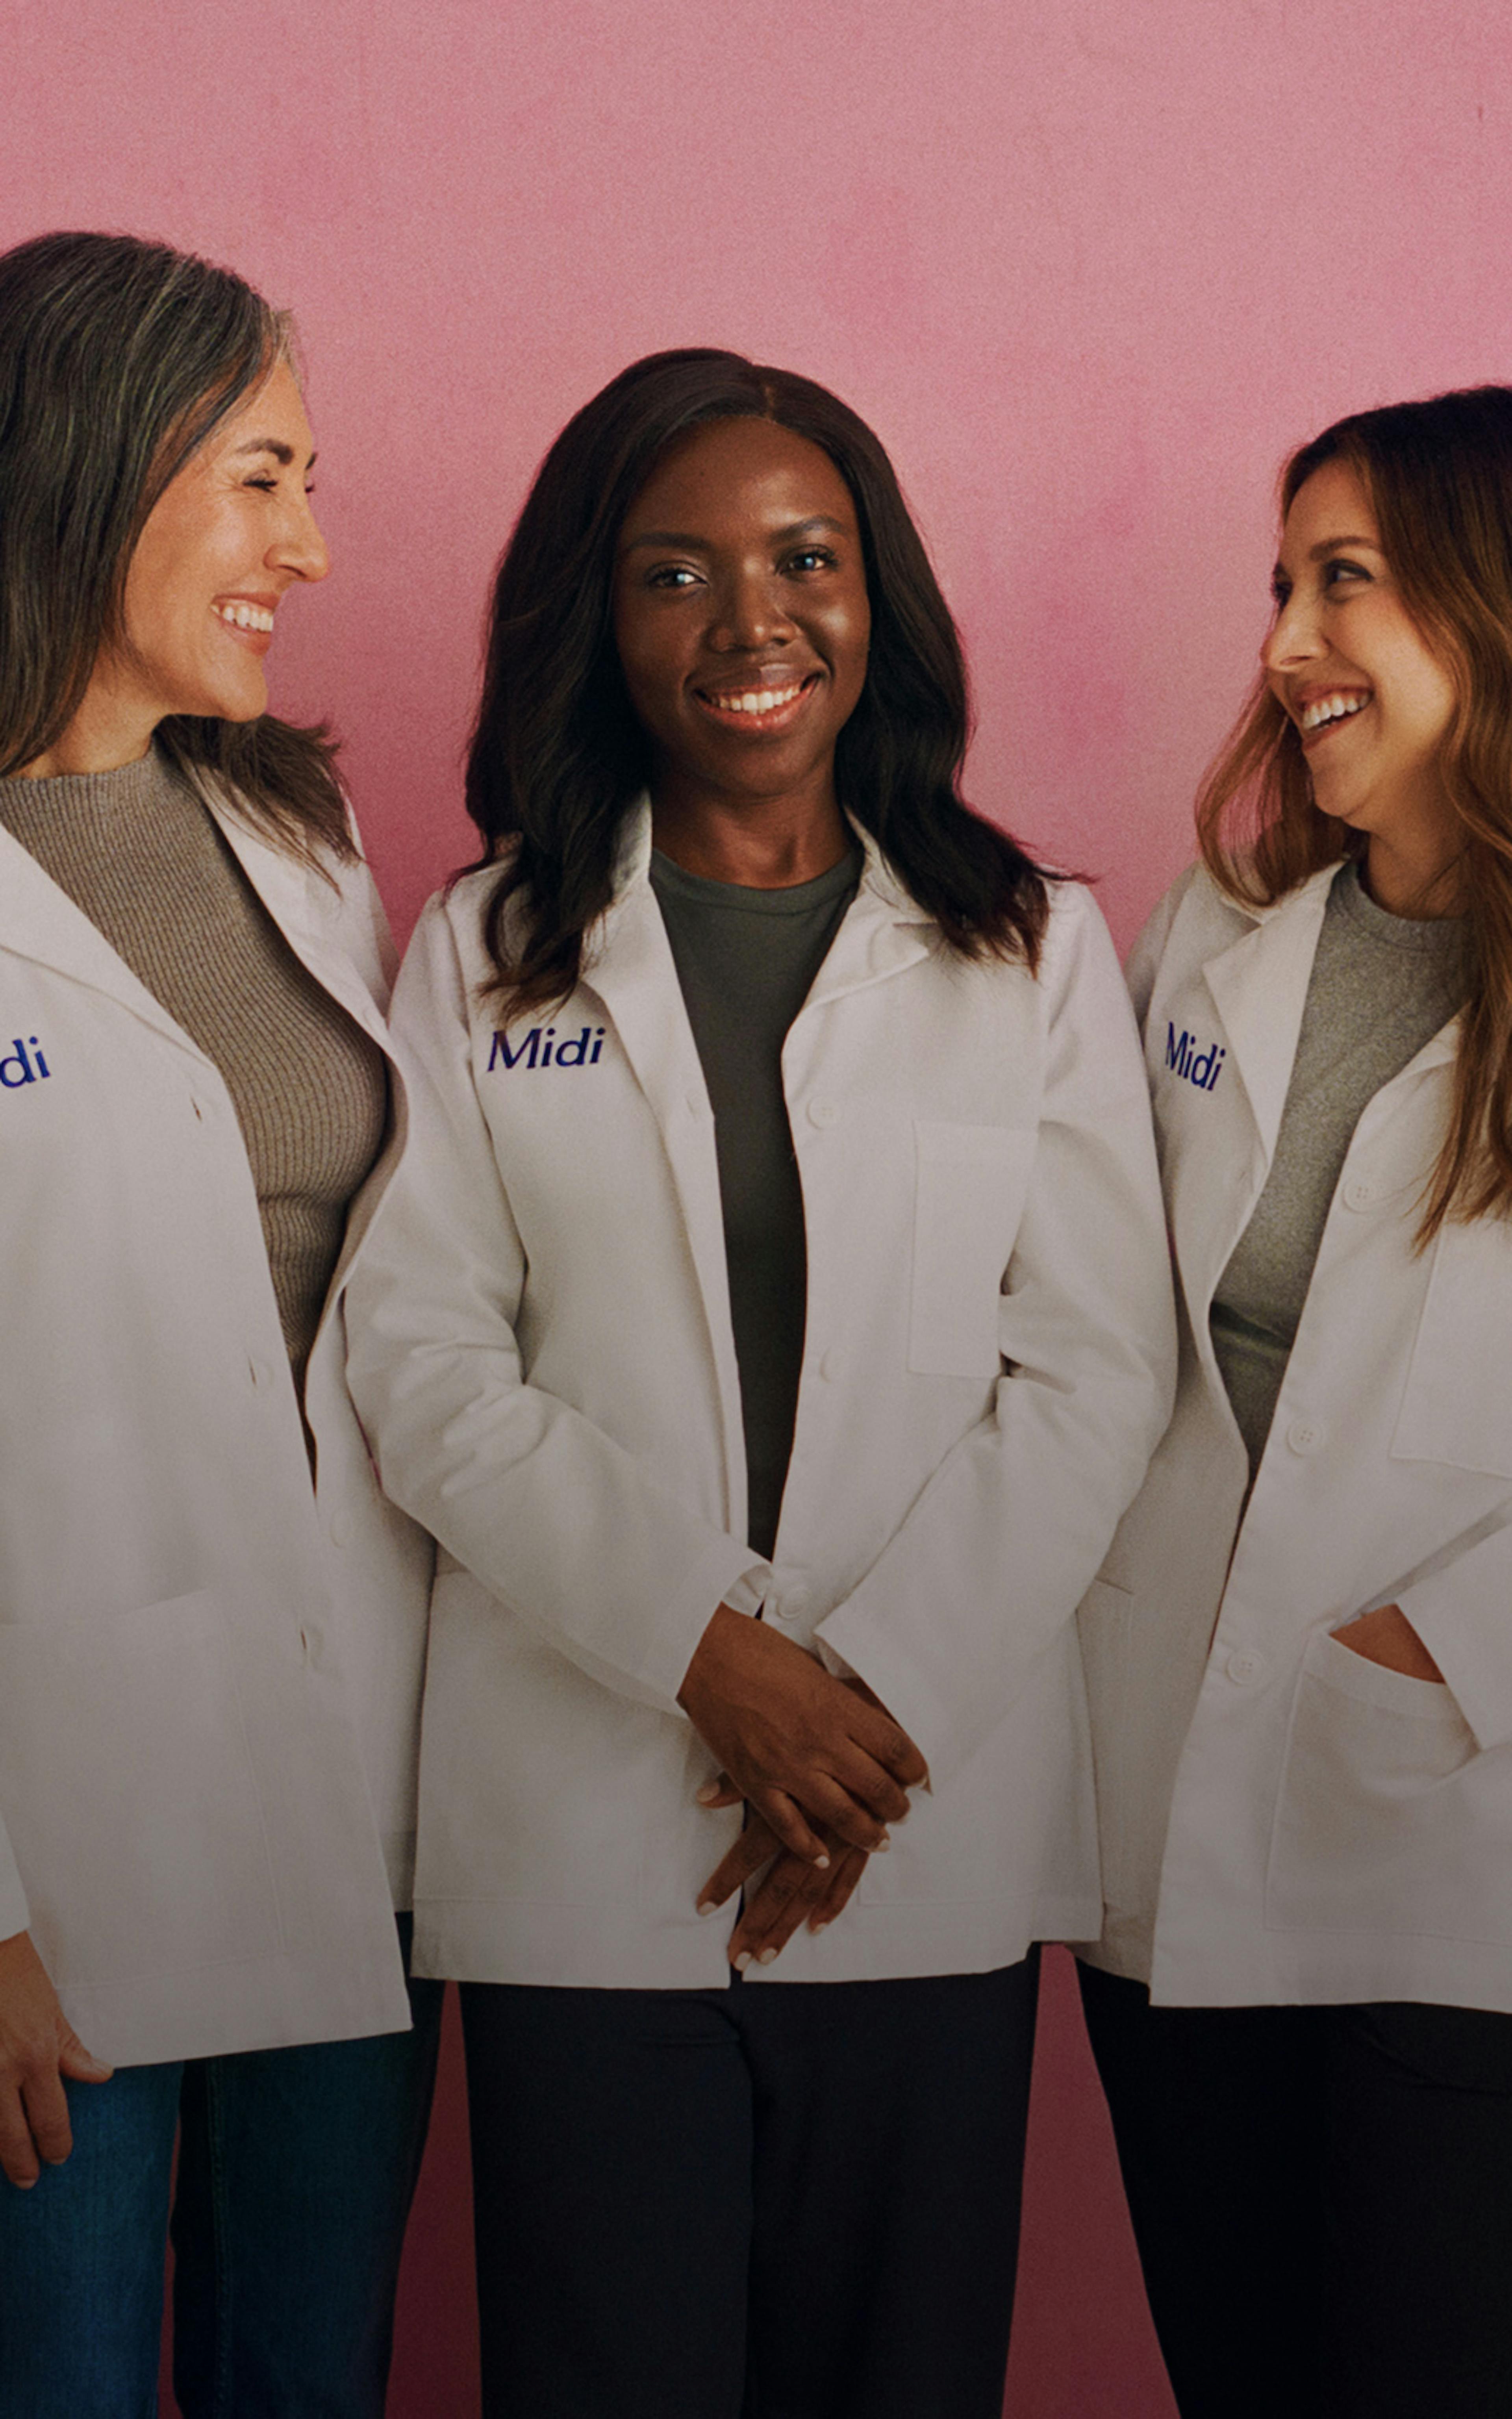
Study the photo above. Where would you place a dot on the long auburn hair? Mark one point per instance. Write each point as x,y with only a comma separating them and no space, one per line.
1438,476
558,757
117,359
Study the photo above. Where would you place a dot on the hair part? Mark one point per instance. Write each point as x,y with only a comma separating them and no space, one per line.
1438,476
118,358
558,757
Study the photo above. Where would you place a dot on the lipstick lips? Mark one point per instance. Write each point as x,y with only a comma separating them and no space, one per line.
742,709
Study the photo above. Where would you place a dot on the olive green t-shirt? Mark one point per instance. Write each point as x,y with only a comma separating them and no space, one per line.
746,960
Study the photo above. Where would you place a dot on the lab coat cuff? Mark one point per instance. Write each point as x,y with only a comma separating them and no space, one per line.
748,1592
725,1566
1471,1654
15,1914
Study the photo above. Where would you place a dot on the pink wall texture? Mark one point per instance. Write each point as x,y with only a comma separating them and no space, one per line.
1091,270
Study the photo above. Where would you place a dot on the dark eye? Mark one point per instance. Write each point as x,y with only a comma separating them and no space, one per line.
1340,570
812,558
269,486
674,575
1280,592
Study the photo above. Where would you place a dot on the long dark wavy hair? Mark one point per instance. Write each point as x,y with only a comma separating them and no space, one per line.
558,756
1439,475
117,358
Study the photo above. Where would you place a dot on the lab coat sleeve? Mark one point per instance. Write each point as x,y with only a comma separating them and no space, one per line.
549,1512
1463,1616
998,1549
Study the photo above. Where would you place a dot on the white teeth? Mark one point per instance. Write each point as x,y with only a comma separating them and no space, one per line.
1330,709
758,701
242,616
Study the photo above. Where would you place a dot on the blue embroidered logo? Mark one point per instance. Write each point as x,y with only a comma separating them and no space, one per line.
1201,1068
16,1068
536,1049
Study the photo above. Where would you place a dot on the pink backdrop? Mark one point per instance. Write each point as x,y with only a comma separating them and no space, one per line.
1088,270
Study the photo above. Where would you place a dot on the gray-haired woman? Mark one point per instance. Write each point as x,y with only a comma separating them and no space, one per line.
208,1665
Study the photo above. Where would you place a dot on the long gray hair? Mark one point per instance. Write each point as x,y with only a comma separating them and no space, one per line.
117,359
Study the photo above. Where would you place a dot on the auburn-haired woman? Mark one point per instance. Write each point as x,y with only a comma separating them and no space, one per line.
1300,1648
209,1664
771,1321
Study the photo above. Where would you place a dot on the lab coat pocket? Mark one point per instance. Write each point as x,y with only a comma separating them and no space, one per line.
1388,1820
970,1192
1104,1625
1457,1405
127,1788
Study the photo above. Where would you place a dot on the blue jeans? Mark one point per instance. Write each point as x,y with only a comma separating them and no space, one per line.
296,2170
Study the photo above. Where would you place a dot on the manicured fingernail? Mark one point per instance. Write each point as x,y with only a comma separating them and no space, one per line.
821,1864
743,1960
883,1845
817,1928
708,1906
766,1956
708,1794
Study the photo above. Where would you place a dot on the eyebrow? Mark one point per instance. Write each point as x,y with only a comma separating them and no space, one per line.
780,537
1332,545
273,445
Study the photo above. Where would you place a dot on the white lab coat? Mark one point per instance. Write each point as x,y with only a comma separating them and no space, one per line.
1335,1831
542,1351
208,1685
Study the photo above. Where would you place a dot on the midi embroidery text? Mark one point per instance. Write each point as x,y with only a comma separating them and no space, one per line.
542,1049
16,1068
1199,1067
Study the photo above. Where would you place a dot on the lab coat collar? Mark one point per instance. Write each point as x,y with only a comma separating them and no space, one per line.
39,921
1259,987
884,931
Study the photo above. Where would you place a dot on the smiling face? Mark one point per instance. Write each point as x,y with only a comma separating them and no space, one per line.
742,621
227,539
1370,700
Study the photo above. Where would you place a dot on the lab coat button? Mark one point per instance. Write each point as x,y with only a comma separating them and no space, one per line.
1304,1436
824,1111
1244,1667
829,1363
1359,1193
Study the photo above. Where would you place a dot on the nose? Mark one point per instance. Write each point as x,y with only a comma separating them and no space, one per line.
299,546
1294,637
750,610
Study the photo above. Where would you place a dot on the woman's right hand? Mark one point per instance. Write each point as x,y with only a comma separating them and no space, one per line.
38,2047
794,1740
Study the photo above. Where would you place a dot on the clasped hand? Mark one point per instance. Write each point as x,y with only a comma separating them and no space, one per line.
822,1764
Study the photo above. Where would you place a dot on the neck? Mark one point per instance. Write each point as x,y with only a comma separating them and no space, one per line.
114,726
762,844
1422,885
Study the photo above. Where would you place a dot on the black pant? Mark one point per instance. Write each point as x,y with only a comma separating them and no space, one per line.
771,2201
1323,2200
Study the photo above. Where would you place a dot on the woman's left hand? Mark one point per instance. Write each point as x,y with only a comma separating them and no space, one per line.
794,1891
1388,1638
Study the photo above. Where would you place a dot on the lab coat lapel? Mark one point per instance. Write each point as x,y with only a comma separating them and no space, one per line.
1259,986
883,932
631,968
1259,989
310,912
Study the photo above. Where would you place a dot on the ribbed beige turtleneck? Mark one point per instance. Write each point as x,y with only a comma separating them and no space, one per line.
143,859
